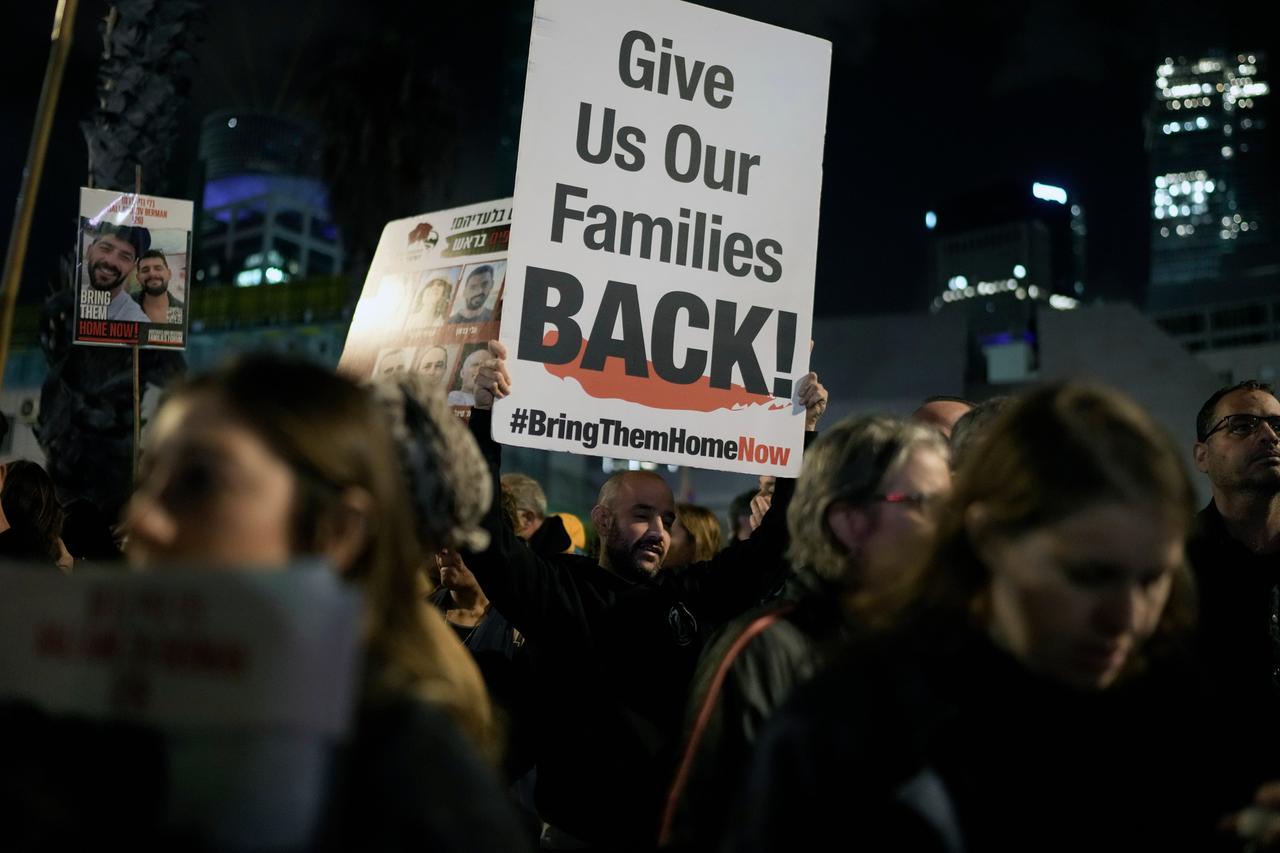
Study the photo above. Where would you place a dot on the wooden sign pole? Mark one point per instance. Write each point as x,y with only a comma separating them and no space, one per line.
63,26
137,390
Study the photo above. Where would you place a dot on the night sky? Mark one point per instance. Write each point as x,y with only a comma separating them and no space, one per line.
928,99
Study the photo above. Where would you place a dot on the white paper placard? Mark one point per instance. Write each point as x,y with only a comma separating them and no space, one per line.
660,289
184,650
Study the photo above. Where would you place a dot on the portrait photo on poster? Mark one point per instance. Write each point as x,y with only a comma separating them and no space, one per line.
477,297
430,297
393,360
463,390
436,362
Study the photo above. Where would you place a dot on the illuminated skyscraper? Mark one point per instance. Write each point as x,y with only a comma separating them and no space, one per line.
998,255
1215,269
265,217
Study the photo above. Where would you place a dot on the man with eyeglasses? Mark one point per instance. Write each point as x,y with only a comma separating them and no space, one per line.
1235,554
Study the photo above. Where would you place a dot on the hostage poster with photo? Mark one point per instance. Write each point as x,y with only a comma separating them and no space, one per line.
432,298
132,257
660,293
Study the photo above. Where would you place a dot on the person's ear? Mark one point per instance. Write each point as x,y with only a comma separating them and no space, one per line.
344,532
1200,453
851,526
526,519
601,518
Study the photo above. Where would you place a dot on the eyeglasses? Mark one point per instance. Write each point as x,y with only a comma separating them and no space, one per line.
914,499
1243,426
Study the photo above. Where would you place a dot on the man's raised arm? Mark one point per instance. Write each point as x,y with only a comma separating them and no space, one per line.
740,576
543,599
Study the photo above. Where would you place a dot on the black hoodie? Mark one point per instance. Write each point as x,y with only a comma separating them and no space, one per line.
613,661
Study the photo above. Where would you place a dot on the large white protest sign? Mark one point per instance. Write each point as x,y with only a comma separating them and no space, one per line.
660,294
432,298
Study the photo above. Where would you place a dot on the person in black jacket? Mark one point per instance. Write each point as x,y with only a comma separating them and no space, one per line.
864,508
1235,553
617,640
545,534
1034,692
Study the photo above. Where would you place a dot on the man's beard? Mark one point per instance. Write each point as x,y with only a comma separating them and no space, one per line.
623,559
150,288
93,277
1258,480
1265,482
475,303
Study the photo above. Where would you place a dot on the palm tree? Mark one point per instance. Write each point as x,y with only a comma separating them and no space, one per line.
86,406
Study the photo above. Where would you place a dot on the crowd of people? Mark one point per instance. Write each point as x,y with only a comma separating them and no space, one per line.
981,627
